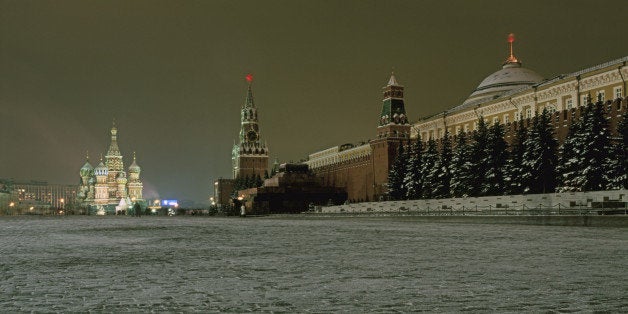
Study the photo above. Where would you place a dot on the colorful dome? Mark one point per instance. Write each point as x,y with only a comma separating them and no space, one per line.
134,168
121,178
87,169
101,169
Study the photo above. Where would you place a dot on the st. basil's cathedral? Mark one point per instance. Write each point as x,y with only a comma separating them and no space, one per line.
108,188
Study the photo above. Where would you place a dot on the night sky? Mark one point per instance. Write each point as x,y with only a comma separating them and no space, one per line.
172,73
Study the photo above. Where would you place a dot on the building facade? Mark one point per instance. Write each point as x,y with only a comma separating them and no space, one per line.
515,93
250,154
362,170
108,188
26,196
506,96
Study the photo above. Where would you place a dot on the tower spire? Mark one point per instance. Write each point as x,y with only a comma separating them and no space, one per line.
393,80
511,57
249,95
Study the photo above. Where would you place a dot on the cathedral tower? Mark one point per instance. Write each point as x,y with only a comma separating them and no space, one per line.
250,155
101,188
135,185
115,166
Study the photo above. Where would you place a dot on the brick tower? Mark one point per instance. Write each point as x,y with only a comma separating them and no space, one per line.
250,155
393,130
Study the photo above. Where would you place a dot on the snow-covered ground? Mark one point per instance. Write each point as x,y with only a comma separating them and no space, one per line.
181,264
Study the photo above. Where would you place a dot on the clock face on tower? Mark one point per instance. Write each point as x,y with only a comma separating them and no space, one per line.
251,136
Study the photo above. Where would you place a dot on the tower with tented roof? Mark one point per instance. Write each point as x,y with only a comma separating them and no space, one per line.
250,155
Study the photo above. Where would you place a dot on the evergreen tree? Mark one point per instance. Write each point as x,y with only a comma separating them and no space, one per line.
513,172
396,189
597,145
569,160
496,156
429,174
258,181
238,184
412,180
441,187
266,176
618,158
479,158
461,167
539,158
249,182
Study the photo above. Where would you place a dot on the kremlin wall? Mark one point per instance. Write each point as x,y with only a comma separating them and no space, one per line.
511,94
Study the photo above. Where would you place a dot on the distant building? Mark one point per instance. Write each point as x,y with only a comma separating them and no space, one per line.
39,195
223,188
108,188
293,189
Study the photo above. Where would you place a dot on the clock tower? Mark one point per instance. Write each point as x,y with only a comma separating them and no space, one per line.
250,155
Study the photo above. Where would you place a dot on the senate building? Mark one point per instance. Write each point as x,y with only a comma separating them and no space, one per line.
510,94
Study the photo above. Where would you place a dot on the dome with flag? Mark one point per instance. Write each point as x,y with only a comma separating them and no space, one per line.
512,76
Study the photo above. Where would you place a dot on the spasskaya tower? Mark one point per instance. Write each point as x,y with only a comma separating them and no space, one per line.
250,155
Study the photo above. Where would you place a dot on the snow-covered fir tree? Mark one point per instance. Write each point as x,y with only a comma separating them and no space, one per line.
569,158
495,161
593,157
413,180
539,158
619,170
461,167
479,158
441,187
429,173
513,183
397,173
617,161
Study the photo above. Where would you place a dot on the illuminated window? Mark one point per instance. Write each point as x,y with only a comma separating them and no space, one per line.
585,100
517,115
506,119
495,120
457,129
601,95
569,104
466,128
528,113
618,92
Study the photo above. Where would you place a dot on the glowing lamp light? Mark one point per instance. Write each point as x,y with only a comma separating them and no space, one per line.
249,78
511,38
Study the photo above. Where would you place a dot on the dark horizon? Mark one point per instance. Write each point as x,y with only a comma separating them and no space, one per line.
172,74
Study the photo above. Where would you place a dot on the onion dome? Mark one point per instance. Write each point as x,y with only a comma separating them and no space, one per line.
87,169
121,178
101,169
134,168
511,77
